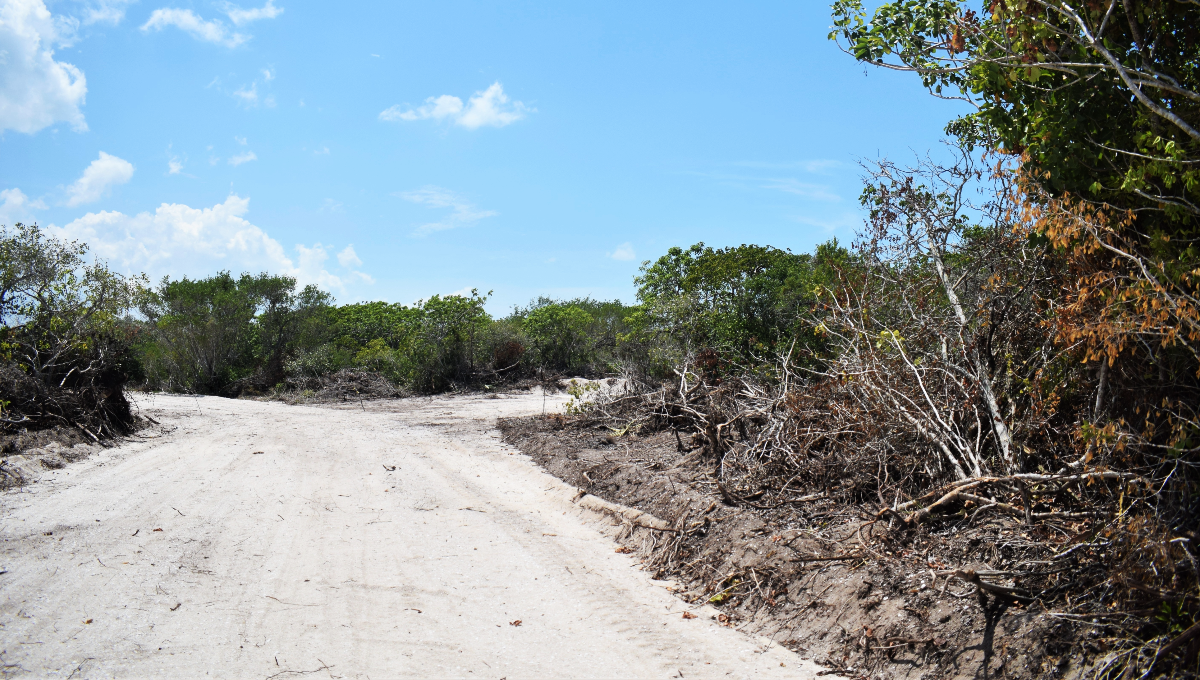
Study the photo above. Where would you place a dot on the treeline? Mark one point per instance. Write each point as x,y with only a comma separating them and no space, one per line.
263,334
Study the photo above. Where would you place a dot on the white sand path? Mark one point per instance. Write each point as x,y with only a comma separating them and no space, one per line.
314,555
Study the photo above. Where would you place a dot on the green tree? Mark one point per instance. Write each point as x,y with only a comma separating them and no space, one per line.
202,333
358,324
64,339
559,334
1102,98
442,344
284,322
748,301
209,333
582,335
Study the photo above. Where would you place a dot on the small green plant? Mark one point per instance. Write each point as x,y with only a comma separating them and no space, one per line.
725,594
1173,616
380,358
579,391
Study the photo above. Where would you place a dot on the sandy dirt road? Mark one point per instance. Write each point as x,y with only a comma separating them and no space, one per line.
261,540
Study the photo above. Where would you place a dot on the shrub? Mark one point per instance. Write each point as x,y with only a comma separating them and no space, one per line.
64,342
559,335
748,303
221,334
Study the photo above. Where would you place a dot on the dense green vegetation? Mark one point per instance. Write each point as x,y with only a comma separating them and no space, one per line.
209,334
257,334
747,303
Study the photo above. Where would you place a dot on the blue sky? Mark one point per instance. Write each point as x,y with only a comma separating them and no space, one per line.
396,150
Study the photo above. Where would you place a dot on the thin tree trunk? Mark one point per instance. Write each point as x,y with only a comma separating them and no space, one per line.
999,427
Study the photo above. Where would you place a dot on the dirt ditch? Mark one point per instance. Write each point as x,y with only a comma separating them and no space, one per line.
823,578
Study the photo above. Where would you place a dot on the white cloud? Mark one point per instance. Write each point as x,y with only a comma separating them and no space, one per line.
35,90
845,222
15,206
241,16
242,158
174,167
240,140
268,74
624,252
349,258
249,96
189,22
792,186
818,166
488,107
178,240
104,173
436,108
105,11
461,214
310,268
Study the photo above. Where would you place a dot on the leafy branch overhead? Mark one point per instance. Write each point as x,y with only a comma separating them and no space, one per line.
1103,96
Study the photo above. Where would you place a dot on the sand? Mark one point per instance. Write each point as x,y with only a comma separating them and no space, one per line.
395,538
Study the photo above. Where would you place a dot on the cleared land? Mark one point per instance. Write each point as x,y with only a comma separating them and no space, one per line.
394,538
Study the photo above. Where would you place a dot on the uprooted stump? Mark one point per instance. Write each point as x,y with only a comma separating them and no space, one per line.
93,404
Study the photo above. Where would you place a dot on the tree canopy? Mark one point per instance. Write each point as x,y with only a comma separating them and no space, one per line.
1103,99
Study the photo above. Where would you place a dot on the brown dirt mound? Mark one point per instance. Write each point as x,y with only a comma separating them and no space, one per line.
816,576
25,455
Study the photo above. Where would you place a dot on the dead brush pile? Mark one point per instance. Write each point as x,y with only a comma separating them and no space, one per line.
953,402
1091,548
348,384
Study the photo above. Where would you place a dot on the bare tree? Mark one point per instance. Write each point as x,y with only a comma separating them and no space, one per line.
925,329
